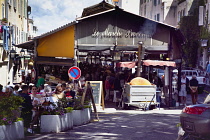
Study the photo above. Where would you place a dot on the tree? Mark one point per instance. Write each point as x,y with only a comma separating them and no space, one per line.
192,32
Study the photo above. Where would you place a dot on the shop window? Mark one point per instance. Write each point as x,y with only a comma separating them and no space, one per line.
158,17
15,3
155,2
141,1
3,13
184,12
145,10
178,17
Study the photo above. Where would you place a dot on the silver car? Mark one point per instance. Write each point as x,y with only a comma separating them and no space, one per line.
195,122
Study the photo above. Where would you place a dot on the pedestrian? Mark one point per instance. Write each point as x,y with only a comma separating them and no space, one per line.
194,89
183,89
208,72
117,90
88,92
16,88
26,111
107,87
41,81
59,94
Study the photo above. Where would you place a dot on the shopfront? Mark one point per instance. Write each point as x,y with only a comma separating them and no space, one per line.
112,36
117,32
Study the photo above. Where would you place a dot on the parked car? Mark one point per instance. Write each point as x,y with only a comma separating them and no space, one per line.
195,121
201,78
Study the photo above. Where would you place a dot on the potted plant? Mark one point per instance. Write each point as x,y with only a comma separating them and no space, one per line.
55,113
69,113
81,113
4,21
77,112
11,125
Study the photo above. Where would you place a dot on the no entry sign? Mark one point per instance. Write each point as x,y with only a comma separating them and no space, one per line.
74,73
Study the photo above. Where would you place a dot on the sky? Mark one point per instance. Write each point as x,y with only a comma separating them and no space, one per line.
51,14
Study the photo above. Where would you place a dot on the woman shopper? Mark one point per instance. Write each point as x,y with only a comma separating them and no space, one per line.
183,89
59,94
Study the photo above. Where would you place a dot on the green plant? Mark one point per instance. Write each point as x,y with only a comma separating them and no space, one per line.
77,103
69,109
10,109
178,125
87,106
4,19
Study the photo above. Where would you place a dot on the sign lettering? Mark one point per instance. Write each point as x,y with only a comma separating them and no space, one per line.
119,34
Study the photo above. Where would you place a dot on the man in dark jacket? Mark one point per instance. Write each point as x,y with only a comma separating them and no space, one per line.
26,112
194,89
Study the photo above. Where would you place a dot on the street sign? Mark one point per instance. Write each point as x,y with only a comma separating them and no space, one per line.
74,73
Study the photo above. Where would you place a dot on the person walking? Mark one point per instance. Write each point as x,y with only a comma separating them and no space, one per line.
194,89
117,90
184,85
107,87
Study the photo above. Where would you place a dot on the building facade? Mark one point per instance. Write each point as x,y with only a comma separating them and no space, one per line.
15,29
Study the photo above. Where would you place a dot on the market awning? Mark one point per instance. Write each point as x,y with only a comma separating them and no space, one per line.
55,61
126,64
159,63
58,44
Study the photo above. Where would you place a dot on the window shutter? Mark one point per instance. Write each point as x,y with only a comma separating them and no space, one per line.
200,21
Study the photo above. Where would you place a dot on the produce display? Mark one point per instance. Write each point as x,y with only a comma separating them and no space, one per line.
139,81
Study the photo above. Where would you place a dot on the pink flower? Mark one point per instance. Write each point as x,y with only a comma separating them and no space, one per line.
4,119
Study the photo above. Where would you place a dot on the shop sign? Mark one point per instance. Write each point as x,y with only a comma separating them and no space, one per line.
119,34
74,73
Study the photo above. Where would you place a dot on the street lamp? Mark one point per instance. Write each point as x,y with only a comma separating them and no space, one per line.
12,53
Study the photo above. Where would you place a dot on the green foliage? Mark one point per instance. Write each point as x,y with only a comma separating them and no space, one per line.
77,103
87,106
190,29
4,19
10,109
204,33
69,109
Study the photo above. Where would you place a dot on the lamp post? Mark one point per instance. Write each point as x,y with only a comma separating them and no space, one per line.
140,43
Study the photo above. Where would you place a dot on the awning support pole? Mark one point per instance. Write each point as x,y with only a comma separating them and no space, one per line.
140,43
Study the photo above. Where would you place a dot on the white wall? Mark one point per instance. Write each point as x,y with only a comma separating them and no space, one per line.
131,6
